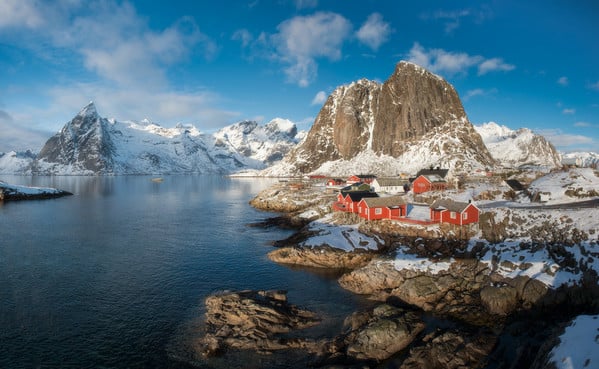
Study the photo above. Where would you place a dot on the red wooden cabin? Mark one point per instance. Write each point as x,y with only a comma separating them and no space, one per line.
425,183
454,212
374,208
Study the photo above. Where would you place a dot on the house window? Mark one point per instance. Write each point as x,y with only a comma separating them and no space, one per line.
378,211
452,215
465,216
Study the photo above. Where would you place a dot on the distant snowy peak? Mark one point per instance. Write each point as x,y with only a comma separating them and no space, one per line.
586,159
91,145
517,148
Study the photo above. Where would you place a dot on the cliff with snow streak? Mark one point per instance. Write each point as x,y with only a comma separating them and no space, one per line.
415,119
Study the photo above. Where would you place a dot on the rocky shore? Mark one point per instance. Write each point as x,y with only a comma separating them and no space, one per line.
10,192
493,299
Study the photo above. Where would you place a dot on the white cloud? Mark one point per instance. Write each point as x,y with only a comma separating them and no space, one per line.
164,107
319,98
451,63
563,81
453,18
303,4
479,92
126,61
582,124
564,140
569,111
374,32
594,86
244,36
439,60
303,39
19,136
492,65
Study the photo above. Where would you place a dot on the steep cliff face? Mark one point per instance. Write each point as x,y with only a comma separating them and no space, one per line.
415,116
83,143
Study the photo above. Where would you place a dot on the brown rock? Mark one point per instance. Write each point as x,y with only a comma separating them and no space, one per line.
253,320
499,300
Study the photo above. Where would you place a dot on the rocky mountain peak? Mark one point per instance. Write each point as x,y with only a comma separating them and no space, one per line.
413,107
82,143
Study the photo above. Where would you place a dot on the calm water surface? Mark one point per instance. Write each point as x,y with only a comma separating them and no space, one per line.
115,276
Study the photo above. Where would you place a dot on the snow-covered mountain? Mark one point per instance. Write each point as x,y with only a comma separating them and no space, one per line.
15,162
413,120
517,148
90,144
587,159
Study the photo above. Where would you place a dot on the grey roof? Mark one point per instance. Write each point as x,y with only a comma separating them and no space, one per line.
440,172
450,205
356,196
388,201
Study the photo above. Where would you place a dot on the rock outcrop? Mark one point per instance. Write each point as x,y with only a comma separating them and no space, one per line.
253,320
414,115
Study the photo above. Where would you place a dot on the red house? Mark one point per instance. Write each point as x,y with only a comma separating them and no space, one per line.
454,212
348,201
425,183
374,208
364,178
333,182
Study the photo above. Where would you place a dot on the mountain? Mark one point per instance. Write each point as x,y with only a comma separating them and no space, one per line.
92,145
415,119
516,148
15,162
587,159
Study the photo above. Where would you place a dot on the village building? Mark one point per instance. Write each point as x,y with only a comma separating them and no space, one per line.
334,182
454,212
375,208
348,201
390,185
364,178
358,186
429,182
438,172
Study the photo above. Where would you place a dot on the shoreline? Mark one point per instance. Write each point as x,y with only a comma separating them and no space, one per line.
463,281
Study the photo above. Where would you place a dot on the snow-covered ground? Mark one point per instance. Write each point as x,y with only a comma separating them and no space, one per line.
343,237
568,186
579,345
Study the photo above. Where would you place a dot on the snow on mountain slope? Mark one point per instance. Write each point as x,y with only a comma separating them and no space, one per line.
587,159
15,162
567,186
91,145
518,148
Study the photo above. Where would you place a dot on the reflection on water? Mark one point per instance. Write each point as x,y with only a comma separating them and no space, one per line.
115,275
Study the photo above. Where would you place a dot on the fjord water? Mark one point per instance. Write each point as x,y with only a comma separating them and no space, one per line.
115,275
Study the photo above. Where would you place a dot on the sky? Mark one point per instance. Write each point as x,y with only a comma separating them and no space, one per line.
532,64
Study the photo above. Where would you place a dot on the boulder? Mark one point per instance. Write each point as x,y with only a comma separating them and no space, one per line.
255,320
385,332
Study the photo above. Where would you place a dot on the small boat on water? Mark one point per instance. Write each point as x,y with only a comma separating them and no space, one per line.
157,179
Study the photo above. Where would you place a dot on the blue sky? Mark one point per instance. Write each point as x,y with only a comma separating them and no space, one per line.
531,64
